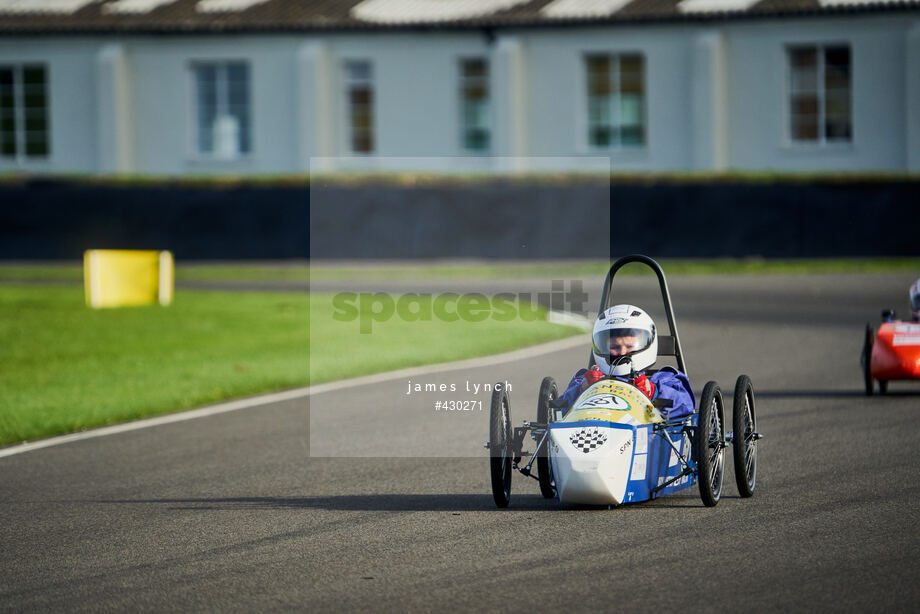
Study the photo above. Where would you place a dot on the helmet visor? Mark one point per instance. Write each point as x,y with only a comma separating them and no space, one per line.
621,341
915,302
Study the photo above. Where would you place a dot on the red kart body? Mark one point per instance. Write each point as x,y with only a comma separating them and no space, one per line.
896,351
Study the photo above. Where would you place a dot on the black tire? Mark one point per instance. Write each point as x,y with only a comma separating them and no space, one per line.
883,386
744,428
548,392
500,452
866,359
710,442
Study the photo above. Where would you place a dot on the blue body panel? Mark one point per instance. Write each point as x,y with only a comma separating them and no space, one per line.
662,463
651,449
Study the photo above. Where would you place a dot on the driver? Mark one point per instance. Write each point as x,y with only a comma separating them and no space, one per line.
915,301
624,345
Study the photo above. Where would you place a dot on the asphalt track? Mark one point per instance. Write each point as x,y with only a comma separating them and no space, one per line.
232,513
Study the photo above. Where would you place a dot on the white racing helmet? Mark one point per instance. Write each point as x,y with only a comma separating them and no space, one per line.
624,340
915,301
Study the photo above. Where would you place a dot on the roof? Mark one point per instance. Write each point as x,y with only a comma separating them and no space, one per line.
198,16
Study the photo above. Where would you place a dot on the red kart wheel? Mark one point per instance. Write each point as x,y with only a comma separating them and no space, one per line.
866,359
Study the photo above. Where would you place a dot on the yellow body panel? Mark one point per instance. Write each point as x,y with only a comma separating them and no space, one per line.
120,278
611,400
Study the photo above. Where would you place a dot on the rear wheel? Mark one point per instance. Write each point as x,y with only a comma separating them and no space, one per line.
710,441
548,393
866,359
745,433
500,452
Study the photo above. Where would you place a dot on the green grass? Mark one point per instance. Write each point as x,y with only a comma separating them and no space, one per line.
299,271
342,349
65,367
41,272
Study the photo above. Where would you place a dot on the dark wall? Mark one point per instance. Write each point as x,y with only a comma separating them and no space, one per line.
479,220
497,219
59,220
790,220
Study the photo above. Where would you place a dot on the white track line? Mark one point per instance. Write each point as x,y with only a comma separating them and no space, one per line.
298,393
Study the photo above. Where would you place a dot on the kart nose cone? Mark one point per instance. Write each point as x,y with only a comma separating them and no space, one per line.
591,464
896,352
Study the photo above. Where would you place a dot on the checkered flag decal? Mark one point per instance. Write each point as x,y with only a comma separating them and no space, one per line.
588,439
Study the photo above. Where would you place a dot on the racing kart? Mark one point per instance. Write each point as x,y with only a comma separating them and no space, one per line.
891,354
614,445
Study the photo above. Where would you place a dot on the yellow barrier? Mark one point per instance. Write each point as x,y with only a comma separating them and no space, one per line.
119,278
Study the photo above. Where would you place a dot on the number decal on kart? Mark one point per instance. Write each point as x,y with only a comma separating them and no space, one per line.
605,401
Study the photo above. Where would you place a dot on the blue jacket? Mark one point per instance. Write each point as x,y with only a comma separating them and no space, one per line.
669,384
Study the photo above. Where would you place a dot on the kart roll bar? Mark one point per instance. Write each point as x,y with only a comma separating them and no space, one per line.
668,345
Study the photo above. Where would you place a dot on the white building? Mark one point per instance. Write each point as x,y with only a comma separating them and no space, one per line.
262,86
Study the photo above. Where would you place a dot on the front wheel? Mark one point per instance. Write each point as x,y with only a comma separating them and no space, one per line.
710,441
866,359
745,436
548,393
500,452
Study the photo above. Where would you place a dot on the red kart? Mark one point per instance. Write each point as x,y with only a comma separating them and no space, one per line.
892,354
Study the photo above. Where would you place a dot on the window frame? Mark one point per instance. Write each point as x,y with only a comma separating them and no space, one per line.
463,81
822,141
20,114
347,83
585,127
222,100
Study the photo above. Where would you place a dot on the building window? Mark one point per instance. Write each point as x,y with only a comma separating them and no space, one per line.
820,79
222,109
24,126
616,100
474,104
359,94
